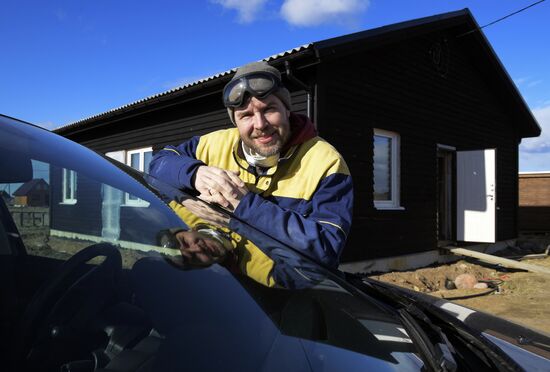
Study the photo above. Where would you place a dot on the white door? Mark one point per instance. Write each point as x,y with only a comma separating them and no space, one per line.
476,196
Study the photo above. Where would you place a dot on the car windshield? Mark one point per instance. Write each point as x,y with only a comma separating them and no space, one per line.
260,301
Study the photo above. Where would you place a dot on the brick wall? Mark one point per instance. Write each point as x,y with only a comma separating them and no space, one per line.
534,189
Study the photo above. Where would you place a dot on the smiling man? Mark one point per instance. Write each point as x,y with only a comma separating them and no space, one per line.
271,171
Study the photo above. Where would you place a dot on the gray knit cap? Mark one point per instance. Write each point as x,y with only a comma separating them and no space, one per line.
282,93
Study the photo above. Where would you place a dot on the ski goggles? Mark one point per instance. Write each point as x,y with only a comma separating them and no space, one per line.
257,84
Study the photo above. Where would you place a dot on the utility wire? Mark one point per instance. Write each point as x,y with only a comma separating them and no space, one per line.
502,18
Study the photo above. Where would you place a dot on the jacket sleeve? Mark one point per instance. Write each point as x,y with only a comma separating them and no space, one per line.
176,166
320,234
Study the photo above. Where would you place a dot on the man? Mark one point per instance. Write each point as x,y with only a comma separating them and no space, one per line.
271,171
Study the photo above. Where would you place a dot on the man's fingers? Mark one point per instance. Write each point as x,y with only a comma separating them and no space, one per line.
215,197
218,179
225,186
234,176
220,186
217,192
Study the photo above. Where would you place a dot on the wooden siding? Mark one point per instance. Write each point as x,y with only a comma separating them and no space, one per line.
534,219
398,88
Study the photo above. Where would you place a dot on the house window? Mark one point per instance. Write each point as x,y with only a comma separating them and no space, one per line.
138,159
386,170
69,186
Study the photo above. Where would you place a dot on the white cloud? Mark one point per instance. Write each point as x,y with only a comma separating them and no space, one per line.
529,162
247,9
539,144
533,83
526,82
534,153
520,81
315,12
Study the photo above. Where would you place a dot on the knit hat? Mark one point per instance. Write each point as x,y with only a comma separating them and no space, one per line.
282,93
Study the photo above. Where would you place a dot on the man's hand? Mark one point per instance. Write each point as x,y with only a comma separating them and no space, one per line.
219,186
198,249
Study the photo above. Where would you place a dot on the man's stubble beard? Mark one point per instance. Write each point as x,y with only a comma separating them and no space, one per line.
263,151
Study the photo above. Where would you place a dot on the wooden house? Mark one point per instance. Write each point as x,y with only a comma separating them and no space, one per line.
423,111
34,193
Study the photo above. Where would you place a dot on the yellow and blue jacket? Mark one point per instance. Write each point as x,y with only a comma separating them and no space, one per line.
305,201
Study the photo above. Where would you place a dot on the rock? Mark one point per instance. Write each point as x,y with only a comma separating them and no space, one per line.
465,281
449,284
481,286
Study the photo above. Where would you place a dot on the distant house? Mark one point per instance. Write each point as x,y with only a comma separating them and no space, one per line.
423,111
34,193
534,202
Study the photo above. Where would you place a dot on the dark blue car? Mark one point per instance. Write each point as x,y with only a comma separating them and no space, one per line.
98,273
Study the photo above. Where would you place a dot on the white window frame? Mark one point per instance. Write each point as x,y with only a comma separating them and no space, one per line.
141,151
395,201
72,176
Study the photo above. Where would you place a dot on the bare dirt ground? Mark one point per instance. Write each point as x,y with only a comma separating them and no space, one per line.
521,297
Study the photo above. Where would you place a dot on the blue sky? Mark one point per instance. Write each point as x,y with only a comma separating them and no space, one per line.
66,60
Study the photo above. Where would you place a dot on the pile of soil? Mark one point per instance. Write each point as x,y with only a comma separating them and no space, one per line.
518,296
434,279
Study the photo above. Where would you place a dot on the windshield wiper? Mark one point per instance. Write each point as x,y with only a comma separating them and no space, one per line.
435,350
474,340
437,355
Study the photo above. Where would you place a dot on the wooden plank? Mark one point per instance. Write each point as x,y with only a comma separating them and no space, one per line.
494,260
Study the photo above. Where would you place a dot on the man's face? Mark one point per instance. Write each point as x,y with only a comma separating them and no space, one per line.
263,124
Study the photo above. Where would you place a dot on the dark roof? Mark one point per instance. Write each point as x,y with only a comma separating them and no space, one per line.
346,44
27,187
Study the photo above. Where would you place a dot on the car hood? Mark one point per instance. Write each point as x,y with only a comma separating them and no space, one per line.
527,347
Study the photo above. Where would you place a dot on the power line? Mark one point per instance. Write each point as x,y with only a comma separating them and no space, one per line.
511,14
502,18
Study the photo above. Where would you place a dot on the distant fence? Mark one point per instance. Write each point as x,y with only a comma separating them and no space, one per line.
31,220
